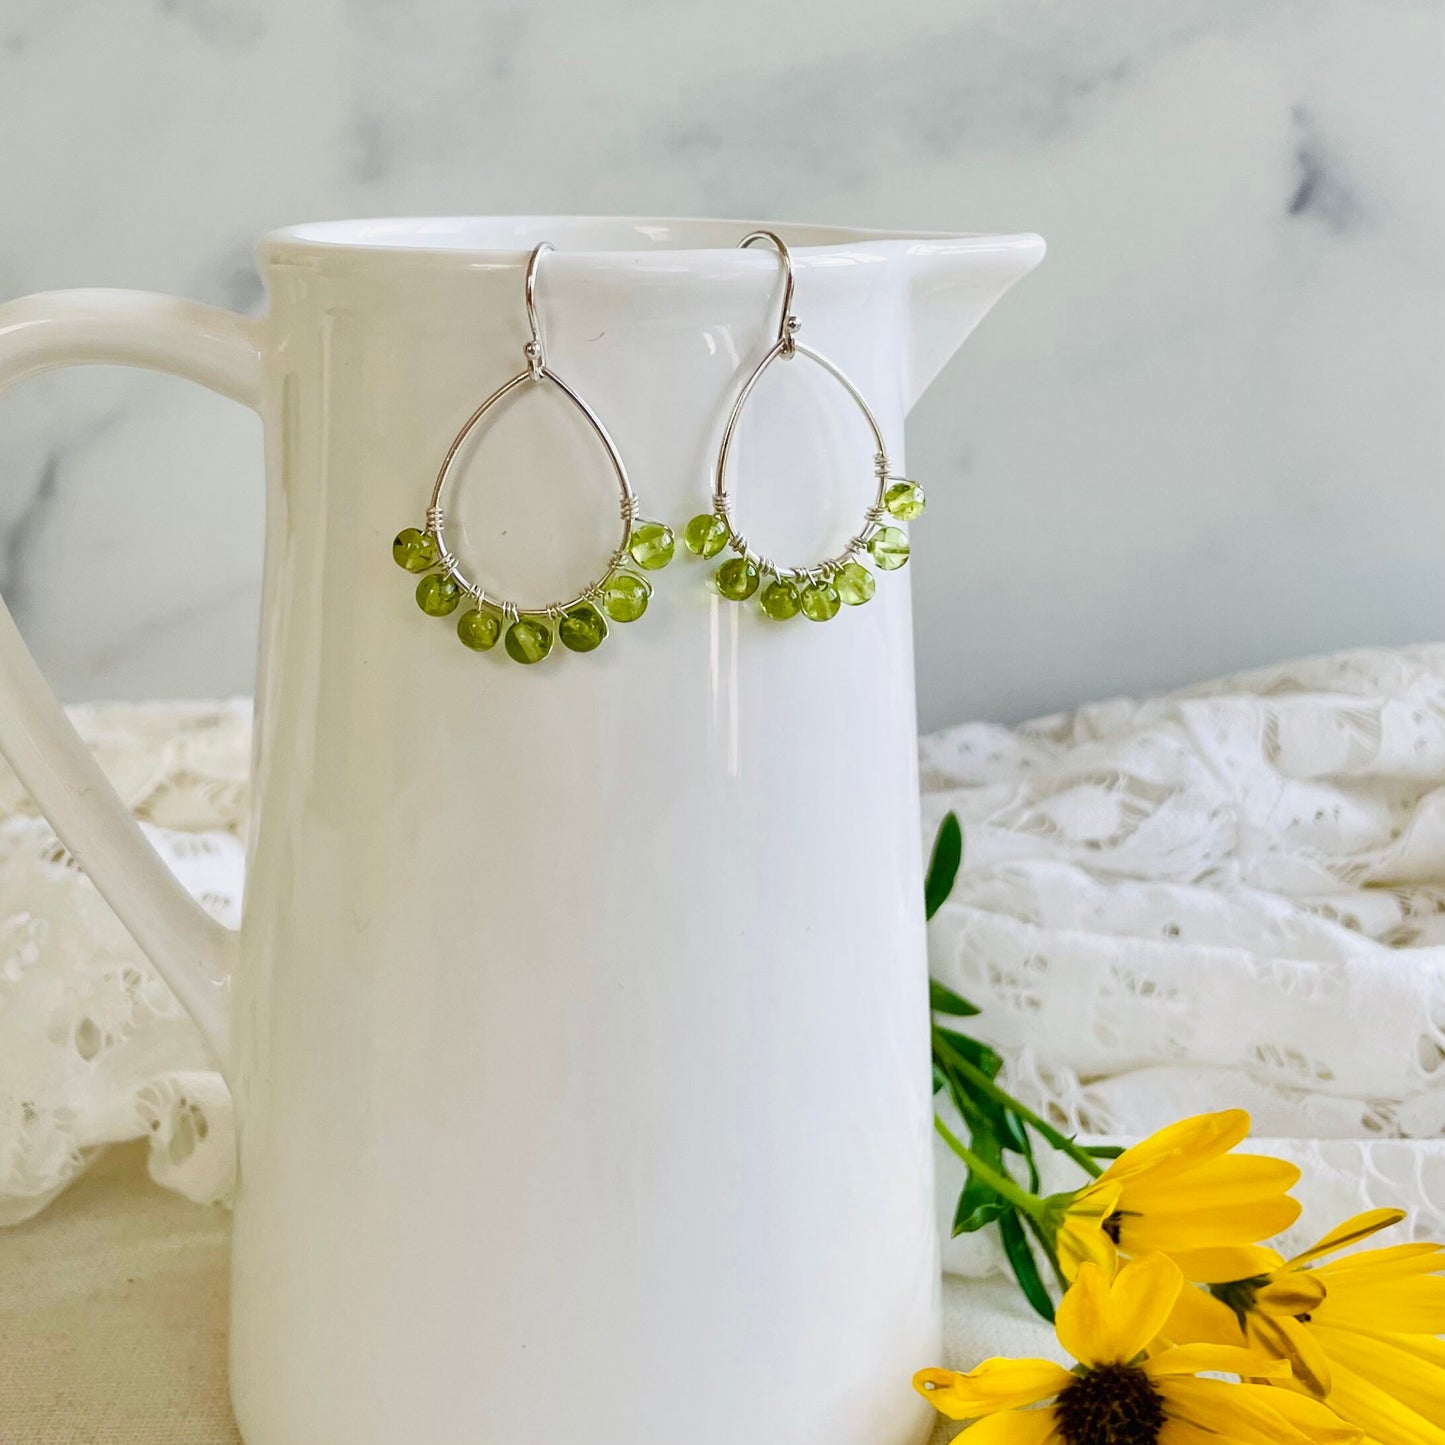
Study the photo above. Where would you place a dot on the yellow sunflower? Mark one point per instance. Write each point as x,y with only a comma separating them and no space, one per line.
1176,1192
1360,1331
1117,1396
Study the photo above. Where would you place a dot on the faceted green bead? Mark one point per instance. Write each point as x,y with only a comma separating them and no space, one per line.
889,548
706,535
625,596
780,600
904,500
414,549
819,601
582,628
737,579
855,584
437,594
529,639
651,545
479,630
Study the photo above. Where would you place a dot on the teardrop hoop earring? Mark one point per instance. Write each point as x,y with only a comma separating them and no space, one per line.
816,591
579,622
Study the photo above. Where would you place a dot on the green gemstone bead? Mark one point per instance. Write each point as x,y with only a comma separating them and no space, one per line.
889,548
855,584
625,596
820,601
651,545
414,549
780,600
529,639
706,535
582,628
737,579
437,594
904,500
479,630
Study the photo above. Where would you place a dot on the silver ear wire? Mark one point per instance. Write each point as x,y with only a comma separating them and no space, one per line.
788,323
535,350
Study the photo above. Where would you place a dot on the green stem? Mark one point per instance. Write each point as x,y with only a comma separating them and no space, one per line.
986,1086
1027,1204
1041,1234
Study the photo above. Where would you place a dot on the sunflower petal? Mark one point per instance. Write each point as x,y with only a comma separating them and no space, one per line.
1104,1323
1290,1292
1081,1238
1428,1348
1313,1419
1215,1184
1412,1369
1016,1427
996,1384
1393,1261
1176,1432
1172,1231
1245,1413
1379,1414
1079,1321
1290,1340
1216,1359
1199,1319
1227,1262
1395,1306
1352,1231
1181,1146
1078,1246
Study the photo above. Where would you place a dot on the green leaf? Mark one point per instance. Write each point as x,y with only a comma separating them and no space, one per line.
944,1001
979,1055
979,1203
973,1213
1021,1261
943,865
1102,1151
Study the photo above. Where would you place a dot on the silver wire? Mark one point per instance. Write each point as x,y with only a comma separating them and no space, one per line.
786,345
537,370
536,349
788,323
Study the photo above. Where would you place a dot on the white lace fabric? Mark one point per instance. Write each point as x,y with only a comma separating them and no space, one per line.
94,1048
1231,895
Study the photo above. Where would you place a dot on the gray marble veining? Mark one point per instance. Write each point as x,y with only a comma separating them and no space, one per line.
1205,434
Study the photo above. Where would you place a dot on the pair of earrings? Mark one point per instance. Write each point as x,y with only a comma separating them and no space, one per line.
622,592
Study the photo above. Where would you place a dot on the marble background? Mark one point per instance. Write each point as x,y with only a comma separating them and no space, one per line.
1205,434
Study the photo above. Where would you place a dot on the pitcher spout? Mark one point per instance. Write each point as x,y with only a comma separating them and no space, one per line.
953,283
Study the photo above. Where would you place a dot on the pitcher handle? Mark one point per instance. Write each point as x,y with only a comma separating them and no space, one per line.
218,349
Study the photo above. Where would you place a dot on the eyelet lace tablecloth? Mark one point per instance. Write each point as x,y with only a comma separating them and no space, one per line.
1233,895
1230,895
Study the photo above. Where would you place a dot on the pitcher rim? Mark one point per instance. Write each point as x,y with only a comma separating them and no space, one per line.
448,237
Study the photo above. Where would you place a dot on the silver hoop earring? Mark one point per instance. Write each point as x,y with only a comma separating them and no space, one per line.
579,623
817,590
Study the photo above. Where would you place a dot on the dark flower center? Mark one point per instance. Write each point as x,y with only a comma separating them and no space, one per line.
1110,1405
1113,1224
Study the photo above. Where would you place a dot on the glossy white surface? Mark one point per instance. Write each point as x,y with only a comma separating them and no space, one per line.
636,936
1207,435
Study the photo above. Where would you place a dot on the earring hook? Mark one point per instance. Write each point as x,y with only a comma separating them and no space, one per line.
535,350
788,324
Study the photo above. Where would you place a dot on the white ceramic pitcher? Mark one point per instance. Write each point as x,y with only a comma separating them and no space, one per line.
577,1023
